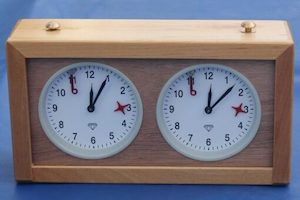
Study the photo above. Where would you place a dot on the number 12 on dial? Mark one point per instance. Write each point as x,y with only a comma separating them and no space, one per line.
90,110
208,112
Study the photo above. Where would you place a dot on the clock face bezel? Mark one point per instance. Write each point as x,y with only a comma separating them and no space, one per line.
206,155
77,151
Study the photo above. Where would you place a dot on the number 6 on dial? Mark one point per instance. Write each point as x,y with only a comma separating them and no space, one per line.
208,112
90,110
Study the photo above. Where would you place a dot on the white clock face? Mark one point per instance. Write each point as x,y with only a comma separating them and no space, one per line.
208,112
90,110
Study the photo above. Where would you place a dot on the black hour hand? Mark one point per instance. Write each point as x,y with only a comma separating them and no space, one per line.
91,107
208,108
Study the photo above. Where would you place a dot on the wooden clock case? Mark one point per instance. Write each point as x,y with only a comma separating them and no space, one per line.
149,52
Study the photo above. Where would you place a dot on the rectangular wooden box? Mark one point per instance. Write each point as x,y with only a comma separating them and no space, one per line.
151,51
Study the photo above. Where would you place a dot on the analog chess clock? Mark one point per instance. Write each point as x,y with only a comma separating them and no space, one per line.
151,101
118,117
195,121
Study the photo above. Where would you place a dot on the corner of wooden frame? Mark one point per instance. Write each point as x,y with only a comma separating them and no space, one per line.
19,109
283,108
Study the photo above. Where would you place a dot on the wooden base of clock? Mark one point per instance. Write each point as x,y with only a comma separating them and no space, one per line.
149,159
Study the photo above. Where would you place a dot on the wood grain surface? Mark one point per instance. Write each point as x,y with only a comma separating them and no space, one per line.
283,104
158,175
188,39
19,113
149,52
149,148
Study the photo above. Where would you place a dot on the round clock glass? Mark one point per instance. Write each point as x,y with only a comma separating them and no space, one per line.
90,110
208,112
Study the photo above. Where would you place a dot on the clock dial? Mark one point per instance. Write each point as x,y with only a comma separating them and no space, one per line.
208,112
90,110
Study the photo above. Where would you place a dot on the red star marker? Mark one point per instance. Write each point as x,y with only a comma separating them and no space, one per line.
238,109
121,108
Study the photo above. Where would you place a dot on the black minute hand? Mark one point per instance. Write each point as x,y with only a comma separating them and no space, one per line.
223,96
91,107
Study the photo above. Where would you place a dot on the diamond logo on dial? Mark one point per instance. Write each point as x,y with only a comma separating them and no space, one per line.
90,110
208,112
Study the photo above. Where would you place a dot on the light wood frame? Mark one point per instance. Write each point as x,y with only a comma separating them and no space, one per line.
149,39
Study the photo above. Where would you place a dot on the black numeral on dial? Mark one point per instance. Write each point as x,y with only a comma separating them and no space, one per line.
226,79
128,107
61,124
209,75
75,135
246,109
93,140
240,125
208,141
241,92
61,92
54,107
122,90
178,93
111,135
177,125
227,138
90,74
171,108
